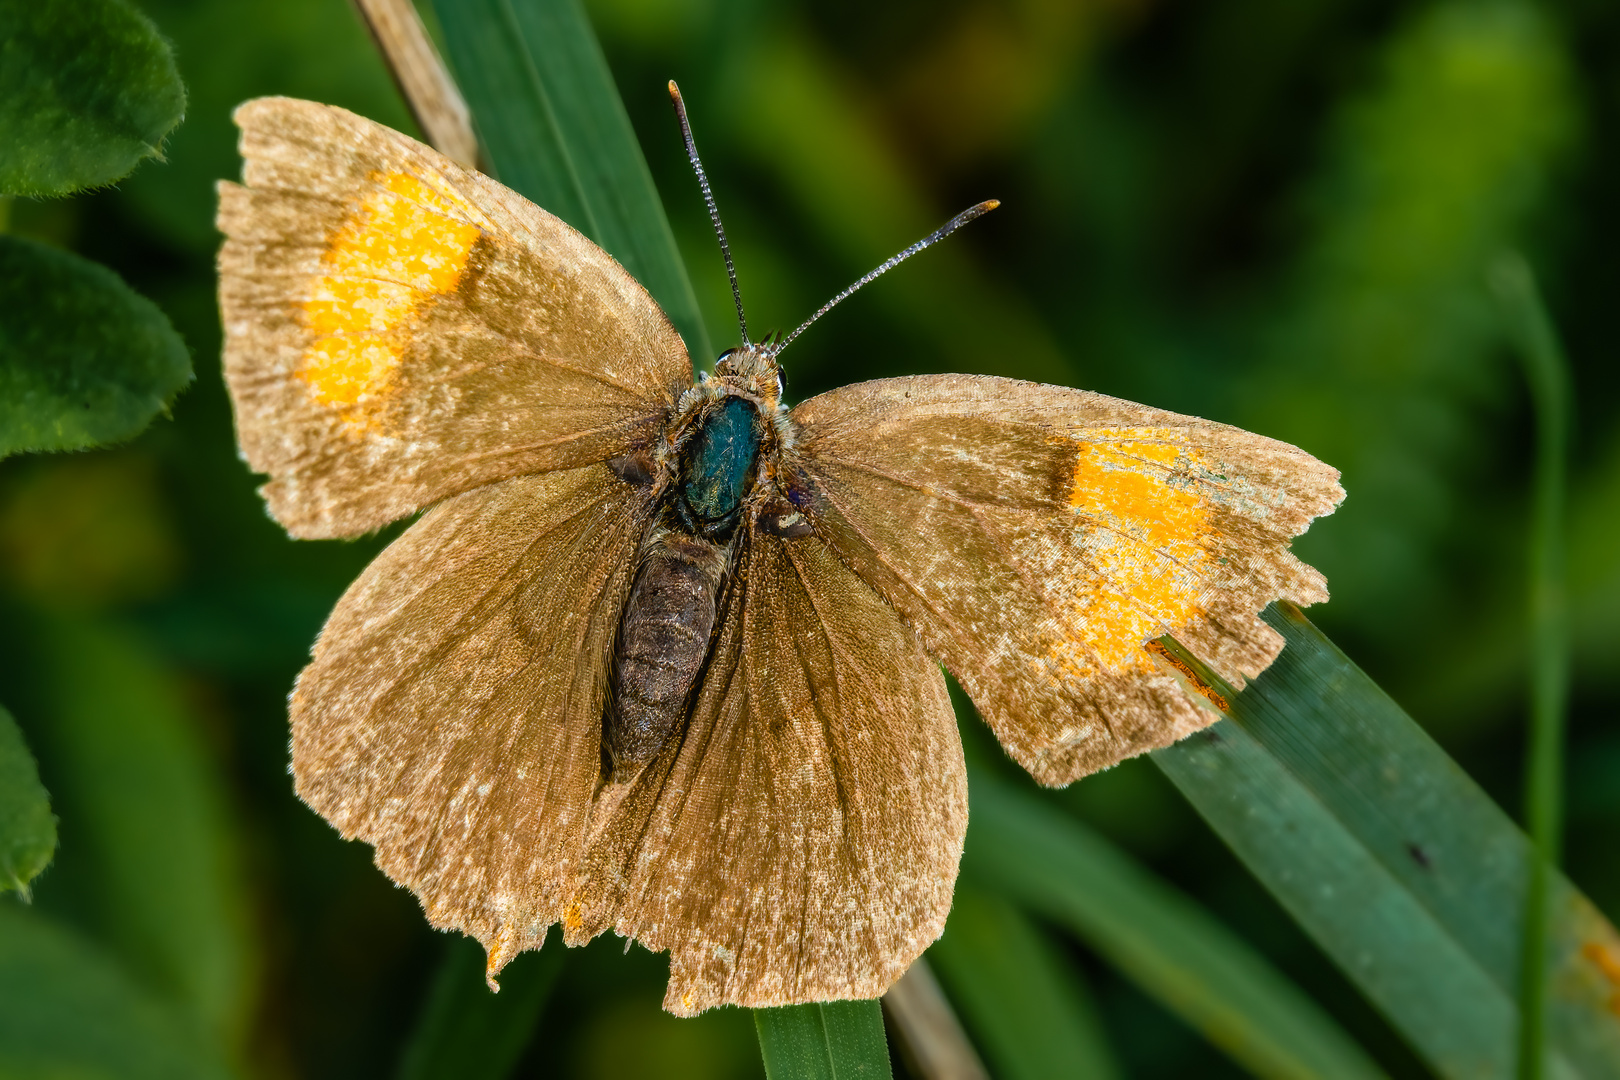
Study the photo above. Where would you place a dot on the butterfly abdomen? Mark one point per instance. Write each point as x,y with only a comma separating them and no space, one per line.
663,641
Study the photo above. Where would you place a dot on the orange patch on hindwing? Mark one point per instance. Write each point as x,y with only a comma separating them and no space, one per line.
404,244
1146,534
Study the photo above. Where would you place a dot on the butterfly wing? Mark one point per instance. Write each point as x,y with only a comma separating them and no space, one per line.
399,329
1039,537
451,715
800,843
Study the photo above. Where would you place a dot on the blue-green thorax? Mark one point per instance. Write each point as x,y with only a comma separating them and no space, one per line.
718,464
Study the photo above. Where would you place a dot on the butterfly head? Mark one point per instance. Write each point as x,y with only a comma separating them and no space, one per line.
754,369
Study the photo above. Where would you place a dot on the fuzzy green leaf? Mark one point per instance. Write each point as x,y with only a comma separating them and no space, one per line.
546,107
87,90
84,360
27,826
1172,948
1400,867
833,1040
66,1010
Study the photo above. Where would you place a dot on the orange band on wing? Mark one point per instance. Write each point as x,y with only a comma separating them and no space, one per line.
1144,538
404,245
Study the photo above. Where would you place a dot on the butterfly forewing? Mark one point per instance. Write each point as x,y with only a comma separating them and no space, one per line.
1038,538
451,715
399,329
801,842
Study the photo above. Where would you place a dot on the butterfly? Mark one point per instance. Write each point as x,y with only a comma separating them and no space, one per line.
660,654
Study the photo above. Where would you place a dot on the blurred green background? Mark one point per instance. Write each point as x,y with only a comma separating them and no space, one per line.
1271,213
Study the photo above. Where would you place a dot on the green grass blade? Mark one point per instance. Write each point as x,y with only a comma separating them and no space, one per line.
1163,941
833,1040
88,89
67,1010
1026,1011
1399,866
550,116
27,826
1547,373
84,359
467,1033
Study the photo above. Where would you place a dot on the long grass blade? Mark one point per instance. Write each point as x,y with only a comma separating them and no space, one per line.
464,1032
1026,1009
1399,866
1547,373
544,102
1173,949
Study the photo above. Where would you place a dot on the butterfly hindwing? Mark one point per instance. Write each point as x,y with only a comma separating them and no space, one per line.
451,716
399,329
801,841
1039,537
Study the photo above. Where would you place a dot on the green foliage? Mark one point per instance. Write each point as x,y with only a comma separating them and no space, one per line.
150,861
546,107
1272,214
1399,866
1547,373
467,1033
835,1040
88,89
1385,353
27,826
1161,939
1025,1007
65,1011
84,360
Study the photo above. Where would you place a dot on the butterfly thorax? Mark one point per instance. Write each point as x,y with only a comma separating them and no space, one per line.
714,475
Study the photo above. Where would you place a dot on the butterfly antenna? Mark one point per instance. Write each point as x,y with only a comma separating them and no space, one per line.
928,241
708,198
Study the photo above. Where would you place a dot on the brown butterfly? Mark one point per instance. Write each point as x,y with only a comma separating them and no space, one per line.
663,656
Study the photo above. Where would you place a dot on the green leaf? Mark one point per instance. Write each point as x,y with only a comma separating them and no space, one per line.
1027,1012
27,826
84,360
1167,944
466,1032
151,870
832,1040
67,1011
546,107
1399,866
87,90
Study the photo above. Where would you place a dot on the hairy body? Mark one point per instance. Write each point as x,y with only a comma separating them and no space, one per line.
704,477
